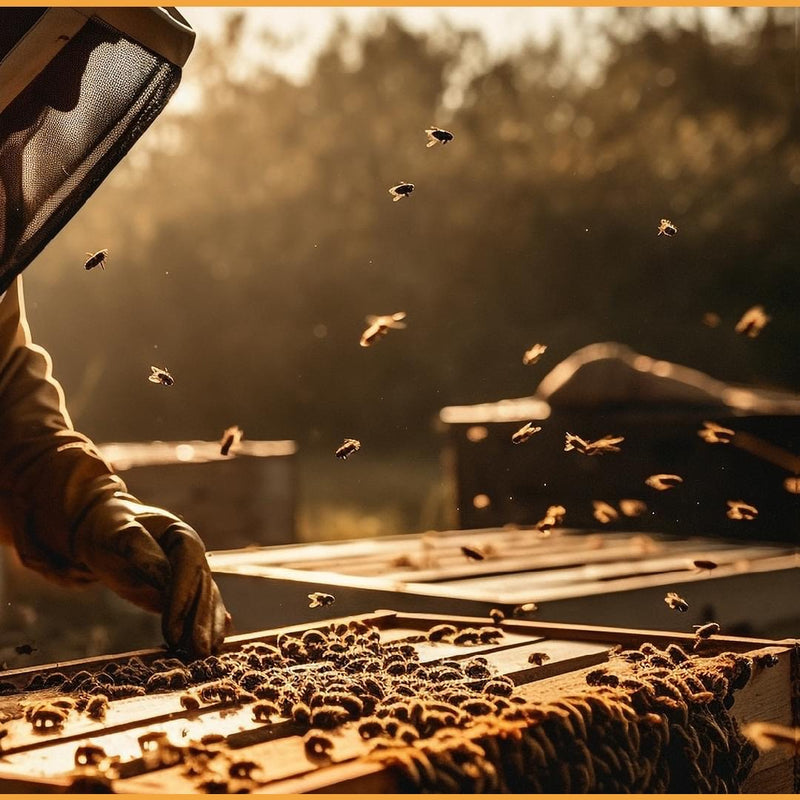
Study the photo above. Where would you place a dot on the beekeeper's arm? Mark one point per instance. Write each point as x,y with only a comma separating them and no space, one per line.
71,518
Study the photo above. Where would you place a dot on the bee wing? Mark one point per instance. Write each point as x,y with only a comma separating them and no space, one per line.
398,316
154,379
397,196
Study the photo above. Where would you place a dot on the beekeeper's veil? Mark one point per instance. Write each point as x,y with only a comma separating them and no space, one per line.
78,86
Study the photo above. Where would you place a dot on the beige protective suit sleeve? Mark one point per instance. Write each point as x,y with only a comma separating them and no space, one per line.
48,471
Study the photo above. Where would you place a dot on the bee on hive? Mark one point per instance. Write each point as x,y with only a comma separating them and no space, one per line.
401,190
707,630
230,439
715,434
534,354
738,509
667,228
379,326
752,322
662,482
537,659
347,448
438,136
160,375
603,512
524,433
473,552
497,616
320,599
676,602
97,259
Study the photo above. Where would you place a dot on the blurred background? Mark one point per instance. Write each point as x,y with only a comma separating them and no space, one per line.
251,231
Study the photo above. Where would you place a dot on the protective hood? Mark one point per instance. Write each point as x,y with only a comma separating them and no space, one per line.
78,86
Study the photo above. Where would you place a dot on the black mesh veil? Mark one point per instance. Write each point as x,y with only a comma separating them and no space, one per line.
68,128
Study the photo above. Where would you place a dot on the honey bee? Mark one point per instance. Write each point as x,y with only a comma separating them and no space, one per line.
607,444
378,327
676,602
766,735
603,512
89,755
438,136
752,322
473,552
97,706
632,508
715,434
401,190
525,608
738,509
524,433
97,259
703,564
667,227
497,616
553,517
537,659
25,649
242,770
347,448
711,319
320,599
162,376
230,439
534,354
189,702
704,631
663,482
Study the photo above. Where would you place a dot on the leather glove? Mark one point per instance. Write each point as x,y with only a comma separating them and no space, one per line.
155,560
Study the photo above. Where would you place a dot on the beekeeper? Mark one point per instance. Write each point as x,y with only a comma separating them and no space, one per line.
77,89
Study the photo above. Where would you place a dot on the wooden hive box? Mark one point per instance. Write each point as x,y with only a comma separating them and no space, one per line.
601,579
548,699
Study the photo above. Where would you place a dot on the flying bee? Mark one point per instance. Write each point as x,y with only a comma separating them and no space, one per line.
766,735
347,448
379,327
97,259
401,190
524,433
662,482
704,631
162,376
230,438
438,136
534,354
632,508
711,319
607,444
703,564
752,322
676,602
320,599
25,649
603,512
738,509
473,552
525,608
667,227
715,434
538,658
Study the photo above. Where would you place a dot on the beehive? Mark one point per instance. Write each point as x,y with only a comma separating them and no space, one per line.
652,715
604,578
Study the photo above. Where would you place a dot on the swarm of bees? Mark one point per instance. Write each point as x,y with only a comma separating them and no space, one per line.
715,434
378,327
663,482
603,512
401,190
320,600
534,354
676,602
667,228
608,444
347,448
230,439
738,509
752,321
524,433
160,375
97,259
438,136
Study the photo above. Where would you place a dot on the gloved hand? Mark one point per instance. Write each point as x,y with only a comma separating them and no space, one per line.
158,562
